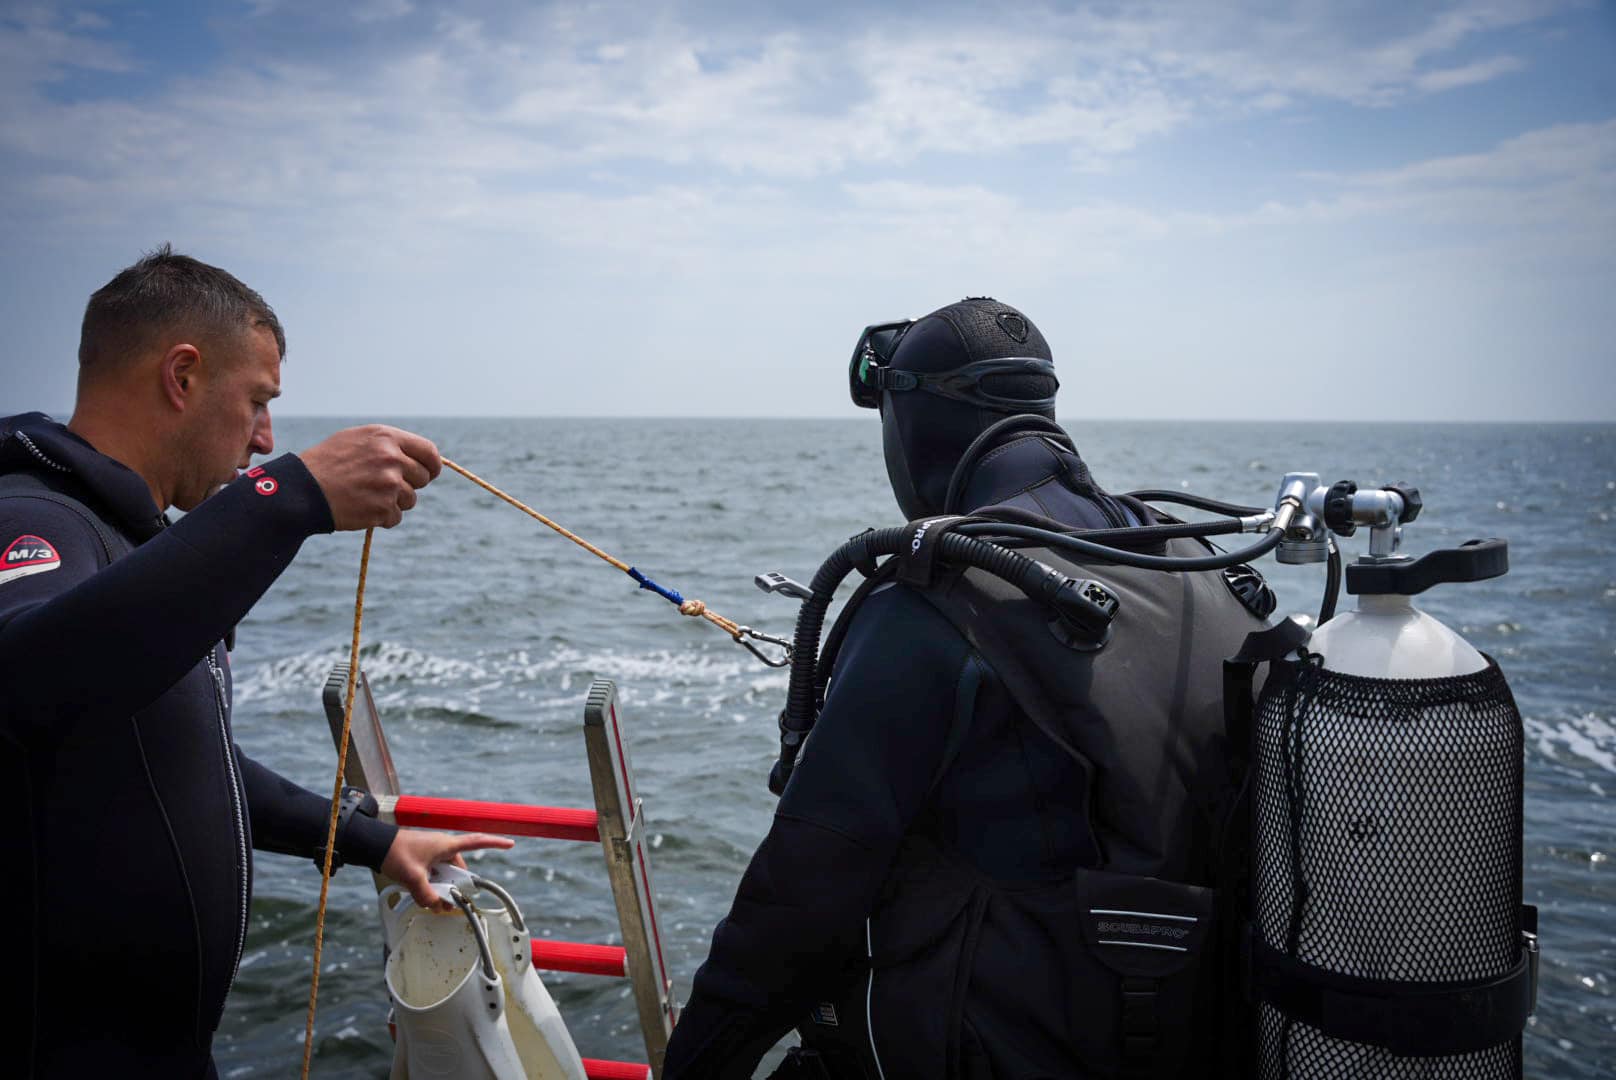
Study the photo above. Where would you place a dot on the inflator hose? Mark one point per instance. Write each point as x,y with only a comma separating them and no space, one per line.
1200,502
1001,562
810,621
1036,580
1026,423
1126,536
964,545
1090,550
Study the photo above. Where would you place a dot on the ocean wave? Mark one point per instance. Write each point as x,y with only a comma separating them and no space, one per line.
1590,737
397,672
711,682
383,662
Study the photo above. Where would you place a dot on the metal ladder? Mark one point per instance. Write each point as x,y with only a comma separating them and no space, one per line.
616,823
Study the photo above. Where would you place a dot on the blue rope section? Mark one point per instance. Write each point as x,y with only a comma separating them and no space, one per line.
671,595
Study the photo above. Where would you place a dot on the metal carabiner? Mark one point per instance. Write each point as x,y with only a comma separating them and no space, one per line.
746,632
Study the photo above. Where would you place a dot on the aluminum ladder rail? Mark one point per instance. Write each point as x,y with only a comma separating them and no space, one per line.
617,822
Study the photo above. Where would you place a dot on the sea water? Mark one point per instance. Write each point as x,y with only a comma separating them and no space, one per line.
483,631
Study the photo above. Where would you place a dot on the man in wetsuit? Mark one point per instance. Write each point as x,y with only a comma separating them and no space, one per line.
912,909
136,808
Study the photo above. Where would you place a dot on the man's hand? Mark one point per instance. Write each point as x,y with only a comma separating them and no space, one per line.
414,850
370,474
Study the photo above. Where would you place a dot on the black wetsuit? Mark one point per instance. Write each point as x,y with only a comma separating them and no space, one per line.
916,730
135,810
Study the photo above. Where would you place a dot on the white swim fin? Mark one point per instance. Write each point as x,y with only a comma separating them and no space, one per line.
542,1040
466,1000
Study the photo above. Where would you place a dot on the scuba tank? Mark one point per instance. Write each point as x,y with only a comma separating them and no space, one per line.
466,1000
1388,937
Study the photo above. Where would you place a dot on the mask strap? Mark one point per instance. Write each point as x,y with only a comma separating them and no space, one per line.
964,383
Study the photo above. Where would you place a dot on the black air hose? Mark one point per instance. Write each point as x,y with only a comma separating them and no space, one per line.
1032,578
1127,536
1090,550
967,544
1200,502
832,647
1332,583
1026,423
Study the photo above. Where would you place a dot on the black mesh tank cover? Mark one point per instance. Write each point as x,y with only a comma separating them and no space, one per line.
1387,851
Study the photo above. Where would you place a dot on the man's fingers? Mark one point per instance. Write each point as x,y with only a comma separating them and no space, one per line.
423,893
415,474
368,474
423,451
475,841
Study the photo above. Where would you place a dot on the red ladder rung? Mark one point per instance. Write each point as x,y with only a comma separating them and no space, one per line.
510,819
584,959
615,1070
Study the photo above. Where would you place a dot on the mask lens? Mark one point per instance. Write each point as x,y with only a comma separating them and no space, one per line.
874,349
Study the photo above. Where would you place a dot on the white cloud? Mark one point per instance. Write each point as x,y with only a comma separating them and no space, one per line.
478,103
633,156
485,129
1468,74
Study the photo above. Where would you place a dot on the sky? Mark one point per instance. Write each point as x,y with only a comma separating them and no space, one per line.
1240,209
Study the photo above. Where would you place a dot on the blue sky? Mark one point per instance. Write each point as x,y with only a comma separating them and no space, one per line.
1319,210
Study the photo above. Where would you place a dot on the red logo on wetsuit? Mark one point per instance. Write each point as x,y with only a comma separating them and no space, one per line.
28,555
265,485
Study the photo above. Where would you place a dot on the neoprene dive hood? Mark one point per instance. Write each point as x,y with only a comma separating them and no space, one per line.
950,376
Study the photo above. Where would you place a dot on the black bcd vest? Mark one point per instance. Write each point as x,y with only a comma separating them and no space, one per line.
1126,969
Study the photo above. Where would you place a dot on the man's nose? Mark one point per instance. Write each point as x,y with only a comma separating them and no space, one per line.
263,436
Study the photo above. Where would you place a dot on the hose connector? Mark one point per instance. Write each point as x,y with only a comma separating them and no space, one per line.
1294,490
1083,610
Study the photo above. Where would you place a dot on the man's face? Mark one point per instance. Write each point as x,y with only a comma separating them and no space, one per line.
231,419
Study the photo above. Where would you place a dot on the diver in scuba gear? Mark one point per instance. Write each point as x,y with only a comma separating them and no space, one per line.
978,791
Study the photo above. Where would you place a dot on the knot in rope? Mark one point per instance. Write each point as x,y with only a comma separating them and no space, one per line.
693,607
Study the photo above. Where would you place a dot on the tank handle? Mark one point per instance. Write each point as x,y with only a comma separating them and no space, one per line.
1475,560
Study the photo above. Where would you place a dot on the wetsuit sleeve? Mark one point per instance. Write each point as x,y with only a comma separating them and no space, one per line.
290,819
146,620
796,928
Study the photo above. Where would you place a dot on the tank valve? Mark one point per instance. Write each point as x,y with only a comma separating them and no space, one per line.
1305,542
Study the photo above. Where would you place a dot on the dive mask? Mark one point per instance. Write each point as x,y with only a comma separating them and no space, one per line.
870,371
871,356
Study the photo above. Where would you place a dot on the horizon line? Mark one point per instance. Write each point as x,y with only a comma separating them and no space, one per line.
385,416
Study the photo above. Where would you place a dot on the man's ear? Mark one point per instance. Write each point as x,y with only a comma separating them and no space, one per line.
180,371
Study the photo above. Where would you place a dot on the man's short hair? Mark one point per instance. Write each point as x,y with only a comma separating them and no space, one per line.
166,294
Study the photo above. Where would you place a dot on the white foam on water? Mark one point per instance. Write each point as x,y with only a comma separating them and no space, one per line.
1590,737
384,662
398,672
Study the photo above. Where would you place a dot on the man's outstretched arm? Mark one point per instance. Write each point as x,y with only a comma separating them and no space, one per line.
289,818
152,615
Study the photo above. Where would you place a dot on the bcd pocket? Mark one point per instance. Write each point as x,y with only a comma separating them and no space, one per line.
1150,983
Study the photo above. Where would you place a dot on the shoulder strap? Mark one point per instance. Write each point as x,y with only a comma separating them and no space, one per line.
1018,683
22,485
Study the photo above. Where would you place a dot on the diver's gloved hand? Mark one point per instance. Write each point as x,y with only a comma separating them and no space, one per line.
415,850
